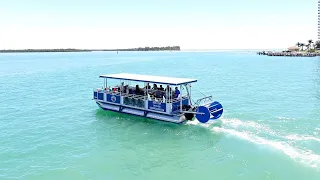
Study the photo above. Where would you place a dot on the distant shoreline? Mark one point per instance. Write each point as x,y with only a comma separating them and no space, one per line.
168,48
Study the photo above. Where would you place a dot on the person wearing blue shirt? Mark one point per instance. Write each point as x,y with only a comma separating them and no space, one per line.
177,92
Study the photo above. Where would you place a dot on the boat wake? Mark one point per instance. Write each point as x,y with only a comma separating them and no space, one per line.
260,134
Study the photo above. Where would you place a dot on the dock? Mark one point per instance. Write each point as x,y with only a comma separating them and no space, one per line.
289,53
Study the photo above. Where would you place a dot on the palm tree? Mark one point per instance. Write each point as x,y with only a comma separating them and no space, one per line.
309,43
302,45
317,44
298,45
308,46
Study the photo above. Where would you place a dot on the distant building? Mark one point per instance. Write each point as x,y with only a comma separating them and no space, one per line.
293,48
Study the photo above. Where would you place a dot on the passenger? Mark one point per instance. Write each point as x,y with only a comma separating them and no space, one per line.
122,87
138,90
148,86
154,90
177,92
166,94
126,89
155,87
158,94
168,88
161,88
131,91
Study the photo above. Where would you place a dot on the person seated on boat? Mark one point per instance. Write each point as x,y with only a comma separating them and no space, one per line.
153,90
122,87
155,87
158,94
168,88
161,88
176,92
166,91
131,91
138,90
125,89
148,86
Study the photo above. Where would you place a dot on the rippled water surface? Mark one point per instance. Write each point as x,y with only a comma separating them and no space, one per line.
50,128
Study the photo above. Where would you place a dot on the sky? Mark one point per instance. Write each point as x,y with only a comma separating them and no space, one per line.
196,24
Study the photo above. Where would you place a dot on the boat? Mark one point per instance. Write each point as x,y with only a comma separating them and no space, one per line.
169,98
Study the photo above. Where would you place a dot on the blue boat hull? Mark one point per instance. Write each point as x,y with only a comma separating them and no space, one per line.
142,113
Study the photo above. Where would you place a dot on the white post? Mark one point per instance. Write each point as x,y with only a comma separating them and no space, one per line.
146,86
190,95
170,93
166,100
106,80
180,98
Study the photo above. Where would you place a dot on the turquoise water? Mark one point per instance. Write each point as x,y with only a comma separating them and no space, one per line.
50,128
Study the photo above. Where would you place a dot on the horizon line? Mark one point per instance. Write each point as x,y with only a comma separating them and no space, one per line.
135,48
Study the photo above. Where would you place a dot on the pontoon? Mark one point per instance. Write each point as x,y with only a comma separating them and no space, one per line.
157,97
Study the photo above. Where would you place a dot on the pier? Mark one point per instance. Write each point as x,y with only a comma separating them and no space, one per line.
289,53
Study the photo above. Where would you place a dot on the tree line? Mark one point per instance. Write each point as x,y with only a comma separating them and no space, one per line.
167,48
43,50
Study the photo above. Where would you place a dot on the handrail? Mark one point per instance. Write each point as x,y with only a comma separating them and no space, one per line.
142,97
179,99
134,96
204,98
112,92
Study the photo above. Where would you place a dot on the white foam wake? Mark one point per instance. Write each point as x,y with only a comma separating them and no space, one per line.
254,126
286,118
303,156
302,137
234,126
236,123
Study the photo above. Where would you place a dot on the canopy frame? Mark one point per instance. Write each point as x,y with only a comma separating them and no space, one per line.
150,79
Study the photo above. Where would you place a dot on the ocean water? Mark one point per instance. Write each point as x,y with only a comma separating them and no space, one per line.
50,128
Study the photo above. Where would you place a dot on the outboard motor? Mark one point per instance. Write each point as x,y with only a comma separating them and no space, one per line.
209,111
188,116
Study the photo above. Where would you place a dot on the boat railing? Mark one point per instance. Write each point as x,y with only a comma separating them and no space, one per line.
109,92
135,96
141,97
179,99
204,99
105,90
134,100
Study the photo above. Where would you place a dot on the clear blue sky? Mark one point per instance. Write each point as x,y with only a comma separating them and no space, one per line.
197,24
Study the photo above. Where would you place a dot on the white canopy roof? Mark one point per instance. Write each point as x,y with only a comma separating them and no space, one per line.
148,78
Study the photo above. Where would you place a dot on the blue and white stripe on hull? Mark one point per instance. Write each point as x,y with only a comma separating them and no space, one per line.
143,113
